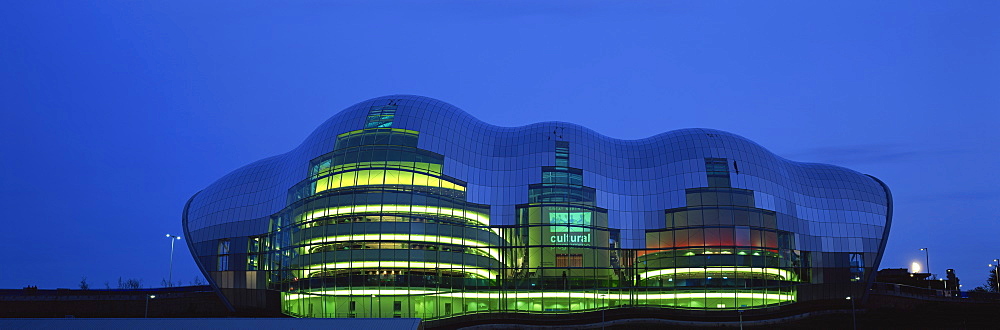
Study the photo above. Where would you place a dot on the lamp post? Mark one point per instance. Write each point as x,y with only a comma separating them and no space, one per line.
854,315
927,260
996,270
170,276
741,319
148,297
945,282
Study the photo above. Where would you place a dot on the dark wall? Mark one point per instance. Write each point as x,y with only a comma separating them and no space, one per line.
198,301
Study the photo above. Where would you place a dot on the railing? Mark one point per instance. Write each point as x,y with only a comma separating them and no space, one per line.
902,290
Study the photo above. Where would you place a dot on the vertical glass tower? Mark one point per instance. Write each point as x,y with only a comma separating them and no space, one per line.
405,206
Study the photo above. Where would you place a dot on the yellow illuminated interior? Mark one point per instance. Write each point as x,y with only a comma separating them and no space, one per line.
477,245
478,218
480,272
780,273
379,177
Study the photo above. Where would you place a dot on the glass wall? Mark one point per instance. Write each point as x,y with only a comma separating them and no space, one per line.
378,231
405,206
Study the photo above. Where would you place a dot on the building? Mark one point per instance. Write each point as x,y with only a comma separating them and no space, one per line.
949,285
406,206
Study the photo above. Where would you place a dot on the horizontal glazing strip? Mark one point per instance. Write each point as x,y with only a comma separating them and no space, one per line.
394,130
484,273
475,217
382,177
780,273
412,166
543,294
478,245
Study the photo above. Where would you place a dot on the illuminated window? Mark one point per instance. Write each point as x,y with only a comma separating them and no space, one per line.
383,177
570,221
569,260
253,252
380,117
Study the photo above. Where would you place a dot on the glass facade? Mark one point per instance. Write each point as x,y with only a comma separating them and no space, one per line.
404,206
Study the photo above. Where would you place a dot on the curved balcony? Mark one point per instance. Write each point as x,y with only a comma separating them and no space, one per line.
423,232
381,209
332,262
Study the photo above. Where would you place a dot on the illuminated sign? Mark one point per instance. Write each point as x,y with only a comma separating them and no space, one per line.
570,239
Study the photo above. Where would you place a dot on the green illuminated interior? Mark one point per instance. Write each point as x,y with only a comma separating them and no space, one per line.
744,272
411,251
381,237
430,304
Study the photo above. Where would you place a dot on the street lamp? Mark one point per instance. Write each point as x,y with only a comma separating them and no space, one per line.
148,297
996,270
741,319
927,259
170,276
854,315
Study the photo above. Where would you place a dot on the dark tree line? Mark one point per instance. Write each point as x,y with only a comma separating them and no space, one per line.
991,283
135,283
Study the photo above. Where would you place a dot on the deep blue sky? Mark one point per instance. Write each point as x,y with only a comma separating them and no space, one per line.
116,112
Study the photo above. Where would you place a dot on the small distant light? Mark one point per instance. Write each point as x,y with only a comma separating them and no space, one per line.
168,235
710,277
152,296
725,277
915,267
848,298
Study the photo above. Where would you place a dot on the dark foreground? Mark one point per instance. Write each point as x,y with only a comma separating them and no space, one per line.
882,310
